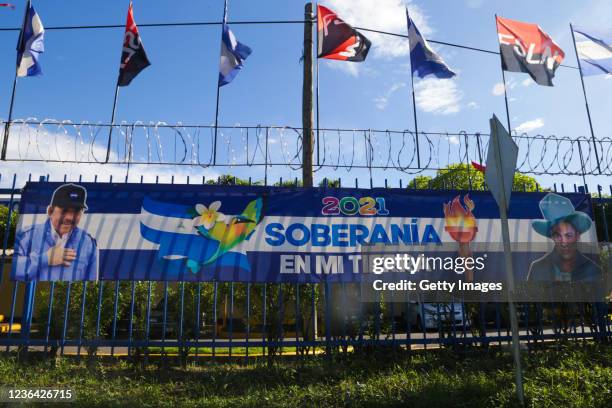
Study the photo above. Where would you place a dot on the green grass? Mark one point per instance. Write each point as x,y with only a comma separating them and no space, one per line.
569,376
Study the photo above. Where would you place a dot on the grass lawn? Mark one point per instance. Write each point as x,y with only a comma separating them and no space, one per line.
567,376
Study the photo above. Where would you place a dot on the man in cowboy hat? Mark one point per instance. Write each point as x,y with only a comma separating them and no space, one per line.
58,249
563,224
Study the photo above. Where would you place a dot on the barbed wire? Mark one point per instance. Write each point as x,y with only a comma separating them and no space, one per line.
160,143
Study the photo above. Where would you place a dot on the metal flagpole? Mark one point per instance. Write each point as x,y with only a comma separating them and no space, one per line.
218,89
586,101
414,112
317,97
7,125
112,123
216,124
504,83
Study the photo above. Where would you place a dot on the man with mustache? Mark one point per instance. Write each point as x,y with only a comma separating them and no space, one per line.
58,249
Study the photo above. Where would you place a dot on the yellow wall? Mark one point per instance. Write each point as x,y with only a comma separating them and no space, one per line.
6,293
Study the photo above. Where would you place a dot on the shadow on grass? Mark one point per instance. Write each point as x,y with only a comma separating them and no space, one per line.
424,378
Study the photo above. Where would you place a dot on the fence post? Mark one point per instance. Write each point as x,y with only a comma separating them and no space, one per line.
327,321
8,228
26,315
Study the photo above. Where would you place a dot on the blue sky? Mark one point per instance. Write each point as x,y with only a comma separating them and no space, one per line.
80,70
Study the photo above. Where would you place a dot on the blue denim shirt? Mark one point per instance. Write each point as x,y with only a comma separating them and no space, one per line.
30,260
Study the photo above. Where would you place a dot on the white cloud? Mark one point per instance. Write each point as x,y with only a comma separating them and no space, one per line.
454,140
381,101
439,96
498,89
472,105
30,143
351,68
382,15
527,82
530,125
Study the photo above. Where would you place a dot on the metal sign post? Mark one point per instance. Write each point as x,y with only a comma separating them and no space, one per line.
499,175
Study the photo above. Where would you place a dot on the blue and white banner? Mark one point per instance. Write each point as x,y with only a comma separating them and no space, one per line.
423,60
30,44
233,53
271,234
594,50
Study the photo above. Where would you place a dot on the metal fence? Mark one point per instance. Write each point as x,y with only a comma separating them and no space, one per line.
160,143
146,320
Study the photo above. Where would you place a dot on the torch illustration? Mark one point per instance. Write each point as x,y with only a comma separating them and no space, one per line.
460,224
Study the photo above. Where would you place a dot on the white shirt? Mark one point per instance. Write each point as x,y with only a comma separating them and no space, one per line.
60,240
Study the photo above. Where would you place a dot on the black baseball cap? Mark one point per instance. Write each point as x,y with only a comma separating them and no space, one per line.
69,196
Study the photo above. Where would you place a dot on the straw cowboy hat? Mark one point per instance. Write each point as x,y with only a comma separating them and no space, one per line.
556,208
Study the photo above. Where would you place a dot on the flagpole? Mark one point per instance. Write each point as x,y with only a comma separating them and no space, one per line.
414,111
218,89
7,125
317,103
110,131
216,124
586,101
504,83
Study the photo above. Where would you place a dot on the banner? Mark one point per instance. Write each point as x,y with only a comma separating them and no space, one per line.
338,40
133,56
525,47
107,231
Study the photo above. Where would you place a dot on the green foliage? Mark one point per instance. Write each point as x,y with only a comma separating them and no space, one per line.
465,177
229,180
13,222
331,183
74,304
289,183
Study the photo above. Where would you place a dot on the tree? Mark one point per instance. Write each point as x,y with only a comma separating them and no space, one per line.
464,177
331,183
4,212
229,180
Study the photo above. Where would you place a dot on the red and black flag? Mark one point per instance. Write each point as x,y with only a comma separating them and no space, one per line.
338,40
526,48
133,58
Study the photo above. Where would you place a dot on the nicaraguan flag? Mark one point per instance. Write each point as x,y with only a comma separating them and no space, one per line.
30,44
595,51
171,226
185,246
423,59
233,54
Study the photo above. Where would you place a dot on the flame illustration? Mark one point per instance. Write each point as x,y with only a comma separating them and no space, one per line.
460,223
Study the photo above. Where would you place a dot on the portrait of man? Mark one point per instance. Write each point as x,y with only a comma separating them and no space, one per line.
58,249
564,225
